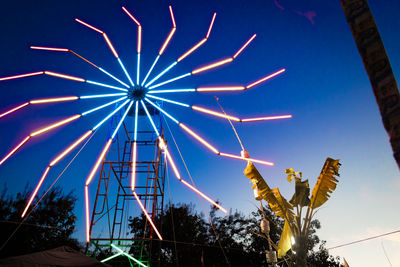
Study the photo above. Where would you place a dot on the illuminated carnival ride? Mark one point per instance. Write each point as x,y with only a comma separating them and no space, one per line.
136,97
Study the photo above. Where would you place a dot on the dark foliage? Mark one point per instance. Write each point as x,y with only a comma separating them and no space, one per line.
196,241
50,225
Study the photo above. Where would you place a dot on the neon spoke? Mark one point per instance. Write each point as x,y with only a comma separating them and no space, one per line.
267,118
246,159
112,257
244,46
68,77
218,114
169,101
55,125
222,88
21,75
52,100
134,149
97,164
108,86
265,78
163,111
87,213
213,65
109,115
103,106
171,80
200,139
15,149
81,57
122,120
126,73
62,155
161,74
147,216
100,96
171,91
14,109
150,70
149,117
171,33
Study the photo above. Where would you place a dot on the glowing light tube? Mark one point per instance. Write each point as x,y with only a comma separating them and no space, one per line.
213,65
50,48
97,164
126,73
149,117
84,59
201,140
171,91
247,159
122,120
147,216
112,257
108,86
163,111
63,154
151,69
191,50
101,96
35,191
21,76
134,153
170,80
89,26
55,125
139,42
111,114
211,25
118,80
267,118
138,68
14,150
222,88
14,109
129,256
87,214
169,158
244,46
204,196
70,148
68,77
171,33
50,100
110,45
169,101
218,114
265,78
131,16
161,74
103,106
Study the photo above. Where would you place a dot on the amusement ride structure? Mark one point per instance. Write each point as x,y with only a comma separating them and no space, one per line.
133,161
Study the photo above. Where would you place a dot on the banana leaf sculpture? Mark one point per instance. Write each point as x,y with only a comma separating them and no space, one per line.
296,227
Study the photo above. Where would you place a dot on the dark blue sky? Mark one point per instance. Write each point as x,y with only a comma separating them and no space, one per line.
325,87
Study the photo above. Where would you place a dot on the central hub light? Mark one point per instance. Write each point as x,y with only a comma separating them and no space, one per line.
137,93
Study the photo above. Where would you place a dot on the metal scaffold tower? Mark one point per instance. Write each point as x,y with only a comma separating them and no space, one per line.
115,204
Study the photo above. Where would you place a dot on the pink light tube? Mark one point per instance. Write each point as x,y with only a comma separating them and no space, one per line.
191,50
89,26
267,118
139,42
99,160
221,88
204,196
56,99
134,153
131,16
14,150
171,33
14,109
147,216
55,125
172,16
218,114
265,78
213,65
247,159
64,76
50,48
244,46
70,148
211,25
110,45
22,75
201,140
35,192
87,213
169,158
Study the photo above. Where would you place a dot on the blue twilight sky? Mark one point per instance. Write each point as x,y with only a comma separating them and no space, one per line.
325,87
